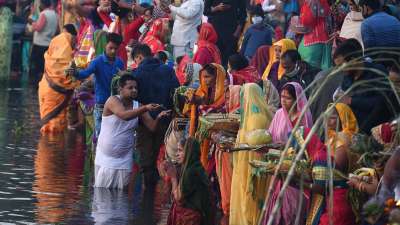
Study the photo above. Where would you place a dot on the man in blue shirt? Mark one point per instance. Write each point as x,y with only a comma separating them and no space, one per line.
379,29
103,67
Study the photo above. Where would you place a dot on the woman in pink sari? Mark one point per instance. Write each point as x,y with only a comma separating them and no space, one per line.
286,117
293,101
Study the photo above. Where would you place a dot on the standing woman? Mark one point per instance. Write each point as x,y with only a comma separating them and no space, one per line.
315,47
342,125
207,50
209,97
246,194
5,40
293,101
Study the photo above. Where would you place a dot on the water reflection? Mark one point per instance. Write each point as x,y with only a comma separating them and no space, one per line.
58,177
48,179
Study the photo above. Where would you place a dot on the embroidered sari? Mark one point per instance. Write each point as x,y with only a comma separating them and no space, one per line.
55,88
207,50
285,44
246,194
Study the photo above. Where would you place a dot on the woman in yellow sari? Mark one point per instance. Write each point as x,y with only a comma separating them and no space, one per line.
342,125
246,195
55,88
275,70
208,98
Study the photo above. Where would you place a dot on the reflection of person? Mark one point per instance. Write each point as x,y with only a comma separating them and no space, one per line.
55,89
113,163
109,206
57,171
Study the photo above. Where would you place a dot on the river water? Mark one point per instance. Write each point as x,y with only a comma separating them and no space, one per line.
48,179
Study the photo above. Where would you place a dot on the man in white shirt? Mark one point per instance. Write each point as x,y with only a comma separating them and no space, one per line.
187,18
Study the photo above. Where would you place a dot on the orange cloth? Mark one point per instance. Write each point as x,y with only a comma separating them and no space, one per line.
218,101
57,59
285,44
224,172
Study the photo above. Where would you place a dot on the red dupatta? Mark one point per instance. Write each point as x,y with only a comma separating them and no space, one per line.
246,75
207,39
154,36
180,71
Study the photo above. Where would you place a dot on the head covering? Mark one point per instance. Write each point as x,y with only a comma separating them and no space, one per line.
180,71
234,98
58,58
245,75
202,91
281,124
261,59
253,111
154,37
192,71
194,183
347,118
207,39
285,44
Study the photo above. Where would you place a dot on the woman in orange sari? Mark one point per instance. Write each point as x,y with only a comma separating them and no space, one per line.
207,50
208,98
55,88
155,38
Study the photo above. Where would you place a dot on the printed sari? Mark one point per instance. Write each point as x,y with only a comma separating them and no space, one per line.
246,75
246,194
55,88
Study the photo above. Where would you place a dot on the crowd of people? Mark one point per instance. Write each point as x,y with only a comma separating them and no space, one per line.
311,90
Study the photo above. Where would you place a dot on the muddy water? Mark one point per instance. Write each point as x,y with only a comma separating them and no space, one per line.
48,179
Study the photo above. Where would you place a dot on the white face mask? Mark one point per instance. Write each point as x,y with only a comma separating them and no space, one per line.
256,19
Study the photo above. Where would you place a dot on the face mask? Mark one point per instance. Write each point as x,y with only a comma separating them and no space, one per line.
256,19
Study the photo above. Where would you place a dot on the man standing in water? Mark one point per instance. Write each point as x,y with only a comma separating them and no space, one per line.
104,67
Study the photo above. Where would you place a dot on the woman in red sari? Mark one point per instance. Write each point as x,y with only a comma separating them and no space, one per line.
156,35
241,71
207,50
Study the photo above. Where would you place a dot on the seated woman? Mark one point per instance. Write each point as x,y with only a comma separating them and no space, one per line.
275,70
241,71
207,50
293,101
208,98
342,125
192,202
113,162
246,194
